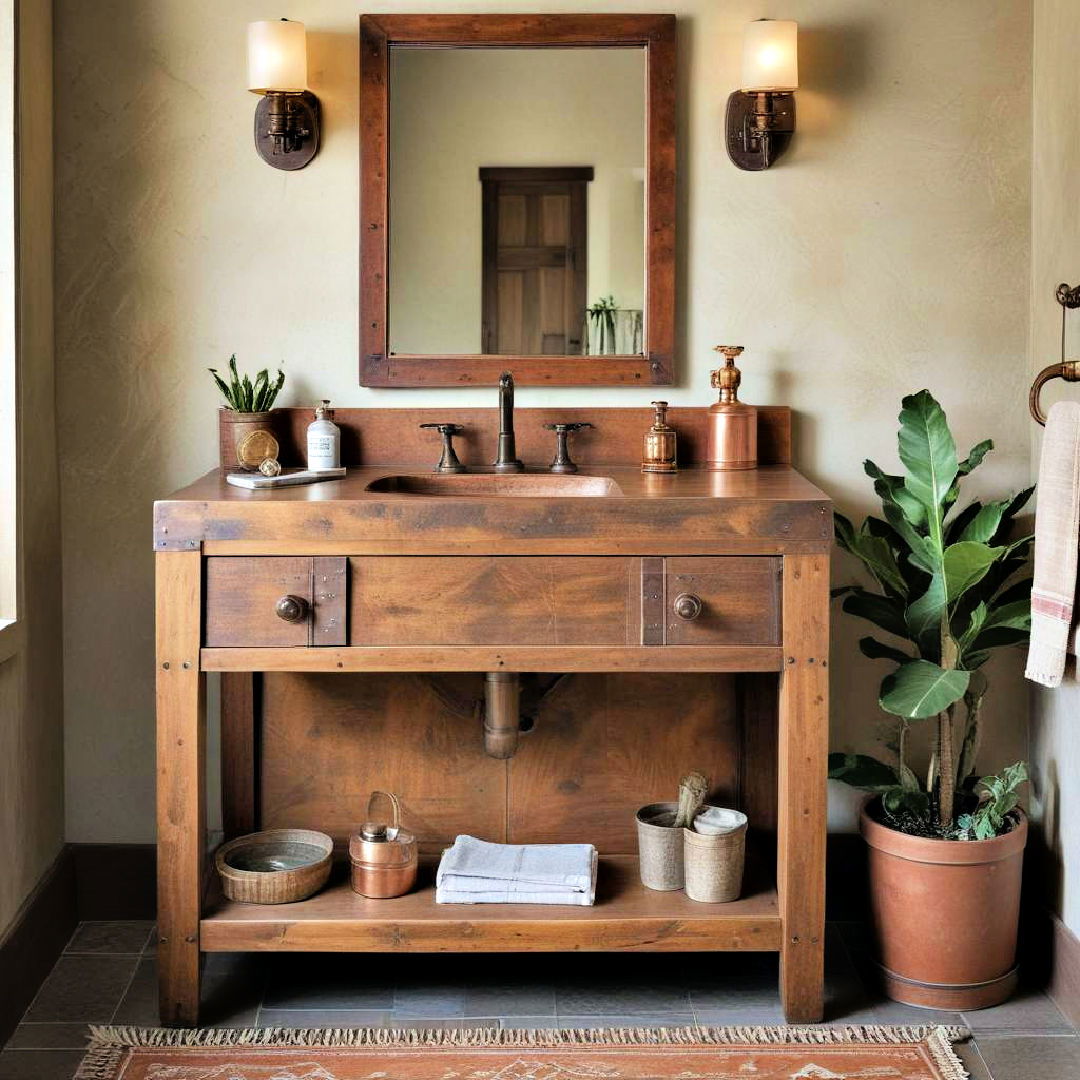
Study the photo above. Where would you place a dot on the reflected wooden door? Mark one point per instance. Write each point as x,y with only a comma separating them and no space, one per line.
535,223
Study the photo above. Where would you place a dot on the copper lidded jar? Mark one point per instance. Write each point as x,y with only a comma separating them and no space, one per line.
383,854
732,423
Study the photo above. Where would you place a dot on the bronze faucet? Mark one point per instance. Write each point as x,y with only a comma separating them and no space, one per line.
506,460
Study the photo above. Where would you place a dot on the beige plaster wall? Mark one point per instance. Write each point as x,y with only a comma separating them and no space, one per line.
455,110
31,709
1055,257
888,251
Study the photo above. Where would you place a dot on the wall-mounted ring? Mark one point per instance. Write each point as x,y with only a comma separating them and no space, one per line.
1069,370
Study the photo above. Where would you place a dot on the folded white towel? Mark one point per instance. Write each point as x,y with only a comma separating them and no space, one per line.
474,871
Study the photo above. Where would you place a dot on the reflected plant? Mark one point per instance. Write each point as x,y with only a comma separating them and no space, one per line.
602,322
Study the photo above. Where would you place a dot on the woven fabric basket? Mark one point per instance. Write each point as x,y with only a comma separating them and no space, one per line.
713,864
660,847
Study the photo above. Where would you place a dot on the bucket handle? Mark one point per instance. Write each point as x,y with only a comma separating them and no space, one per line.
395,811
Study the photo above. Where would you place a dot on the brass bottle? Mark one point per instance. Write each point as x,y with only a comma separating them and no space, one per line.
659,452
732,424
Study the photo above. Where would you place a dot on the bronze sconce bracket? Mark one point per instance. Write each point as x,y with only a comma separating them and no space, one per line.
287,129
759,126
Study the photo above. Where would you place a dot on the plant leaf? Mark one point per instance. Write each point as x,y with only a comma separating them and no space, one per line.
978,620
873,551
975,457
961,520
908,780
1018,590
862,771
928,452
259,391
1012,508
225,389
963,468
235,381
965,563
877,650
883,611
919,689
923,617
983,526
893,488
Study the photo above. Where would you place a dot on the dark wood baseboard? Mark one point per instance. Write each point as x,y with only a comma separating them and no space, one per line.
115,881
43,926
85,881
1064,984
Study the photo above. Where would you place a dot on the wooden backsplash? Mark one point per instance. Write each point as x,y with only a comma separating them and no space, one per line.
376,437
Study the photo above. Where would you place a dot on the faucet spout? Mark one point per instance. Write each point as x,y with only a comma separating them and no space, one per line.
506,460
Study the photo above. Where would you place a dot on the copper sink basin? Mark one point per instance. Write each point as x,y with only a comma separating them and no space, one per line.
498,485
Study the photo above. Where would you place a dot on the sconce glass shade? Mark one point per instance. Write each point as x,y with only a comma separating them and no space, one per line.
277,57
770,56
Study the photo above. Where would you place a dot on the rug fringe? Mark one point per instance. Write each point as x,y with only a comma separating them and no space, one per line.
938,1038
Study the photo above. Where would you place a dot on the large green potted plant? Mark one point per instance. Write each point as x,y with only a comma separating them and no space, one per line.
945,847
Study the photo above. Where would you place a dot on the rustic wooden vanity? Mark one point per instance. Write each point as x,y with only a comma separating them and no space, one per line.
408,592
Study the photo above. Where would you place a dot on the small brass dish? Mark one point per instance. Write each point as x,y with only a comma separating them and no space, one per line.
279,866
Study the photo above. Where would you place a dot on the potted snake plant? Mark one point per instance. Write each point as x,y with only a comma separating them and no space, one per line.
246,424
945,847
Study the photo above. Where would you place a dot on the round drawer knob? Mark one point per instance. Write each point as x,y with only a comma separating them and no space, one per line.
687,606
292,609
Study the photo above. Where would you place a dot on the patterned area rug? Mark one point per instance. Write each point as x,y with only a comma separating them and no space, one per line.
738,1053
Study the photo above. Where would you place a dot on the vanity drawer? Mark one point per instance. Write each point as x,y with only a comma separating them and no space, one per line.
269,601
705,600
495,600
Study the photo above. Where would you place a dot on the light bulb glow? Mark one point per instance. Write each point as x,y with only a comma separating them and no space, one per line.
771,56
277,56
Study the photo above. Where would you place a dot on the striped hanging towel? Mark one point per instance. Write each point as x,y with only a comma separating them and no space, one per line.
1057,537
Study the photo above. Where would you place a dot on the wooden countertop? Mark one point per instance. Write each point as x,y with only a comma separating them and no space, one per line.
769,509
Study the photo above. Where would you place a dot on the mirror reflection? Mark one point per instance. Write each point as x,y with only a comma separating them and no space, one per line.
517,201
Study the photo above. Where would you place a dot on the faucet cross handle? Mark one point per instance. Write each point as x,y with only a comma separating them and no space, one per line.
562,462
449,462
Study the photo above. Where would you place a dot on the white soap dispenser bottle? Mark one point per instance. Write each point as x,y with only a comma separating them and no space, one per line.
323,440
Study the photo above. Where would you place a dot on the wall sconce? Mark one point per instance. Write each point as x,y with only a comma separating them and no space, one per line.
761,116
287,118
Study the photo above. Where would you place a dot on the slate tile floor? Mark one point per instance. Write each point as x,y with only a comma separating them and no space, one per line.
107,975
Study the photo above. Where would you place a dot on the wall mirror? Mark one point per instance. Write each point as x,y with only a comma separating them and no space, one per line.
517,199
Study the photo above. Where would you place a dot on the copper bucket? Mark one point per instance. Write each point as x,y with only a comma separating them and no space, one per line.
383,854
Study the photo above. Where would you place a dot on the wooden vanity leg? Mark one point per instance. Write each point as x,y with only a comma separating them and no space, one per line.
803,753
181,802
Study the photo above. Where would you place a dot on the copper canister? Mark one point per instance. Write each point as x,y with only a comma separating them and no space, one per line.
383,854
732,423
658,453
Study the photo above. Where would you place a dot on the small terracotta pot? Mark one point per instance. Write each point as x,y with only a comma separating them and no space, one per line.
234,428
946,915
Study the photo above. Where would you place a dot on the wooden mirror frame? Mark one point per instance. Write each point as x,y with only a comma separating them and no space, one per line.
654,33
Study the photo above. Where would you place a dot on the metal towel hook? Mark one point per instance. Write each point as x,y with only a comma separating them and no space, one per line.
1068,296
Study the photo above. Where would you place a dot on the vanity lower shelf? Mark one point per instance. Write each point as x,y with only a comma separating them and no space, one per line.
626,917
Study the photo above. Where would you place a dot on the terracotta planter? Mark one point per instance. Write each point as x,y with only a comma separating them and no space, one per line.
946,914
234,428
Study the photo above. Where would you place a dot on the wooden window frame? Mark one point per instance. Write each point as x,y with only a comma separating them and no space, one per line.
656,35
